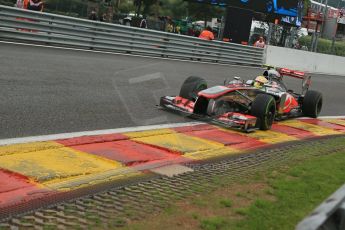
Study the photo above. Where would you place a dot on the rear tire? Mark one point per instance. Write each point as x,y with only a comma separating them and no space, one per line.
264,109
191,87
312,104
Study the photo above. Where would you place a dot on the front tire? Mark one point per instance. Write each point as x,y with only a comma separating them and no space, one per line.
264,109
312,104
191,87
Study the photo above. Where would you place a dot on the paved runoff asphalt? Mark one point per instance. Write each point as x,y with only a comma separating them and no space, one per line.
48,91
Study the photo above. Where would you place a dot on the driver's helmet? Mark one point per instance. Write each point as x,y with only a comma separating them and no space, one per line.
260,81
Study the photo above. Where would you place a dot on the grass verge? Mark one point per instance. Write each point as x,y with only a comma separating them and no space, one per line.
272,199
324,46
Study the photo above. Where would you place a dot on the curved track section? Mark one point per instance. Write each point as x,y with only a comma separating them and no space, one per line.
49,90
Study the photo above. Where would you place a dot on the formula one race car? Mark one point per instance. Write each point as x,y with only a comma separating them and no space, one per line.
247,106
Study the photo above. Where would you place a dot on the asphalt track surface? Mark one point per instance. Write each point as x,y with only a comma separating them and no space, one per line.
49,91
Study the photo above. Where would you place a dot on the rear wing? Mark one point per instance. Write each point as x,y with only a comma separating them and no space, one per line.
291,73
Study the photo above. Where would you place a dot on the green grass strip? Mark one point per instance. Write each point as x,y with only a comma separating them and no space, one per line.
298,191
272,199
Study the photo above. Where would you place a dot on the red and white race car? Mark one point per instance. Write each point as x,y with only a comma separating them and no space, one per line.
247,106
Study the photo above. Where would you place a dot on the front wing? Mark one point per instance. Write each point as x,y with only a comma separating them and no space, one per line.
231,120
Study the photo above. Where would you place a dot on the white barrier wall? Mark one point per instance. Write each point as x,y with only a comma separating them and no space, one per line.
305,61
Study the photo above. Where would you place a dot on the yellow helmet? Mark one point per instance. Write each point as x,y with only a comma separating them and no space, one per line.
260,81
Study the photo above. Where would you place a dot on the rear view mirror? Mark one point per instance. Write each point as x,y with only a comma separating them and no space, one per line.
249,82
237,78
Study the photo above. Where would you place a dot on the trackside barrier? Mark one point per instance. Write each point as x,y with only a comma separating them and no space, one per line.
305,61
51,29
330,215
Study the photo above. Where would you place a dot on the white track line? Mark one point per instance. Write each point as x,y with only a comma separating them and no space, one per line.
60,136
123,54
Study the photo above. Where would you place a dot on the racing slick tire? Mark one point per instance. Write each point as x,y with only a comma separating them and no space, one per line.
191,87
264,109
312,104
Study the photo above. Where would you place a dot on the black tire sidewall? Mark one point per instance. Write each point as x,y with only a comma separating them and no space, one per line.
261,106
191,86
311,101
